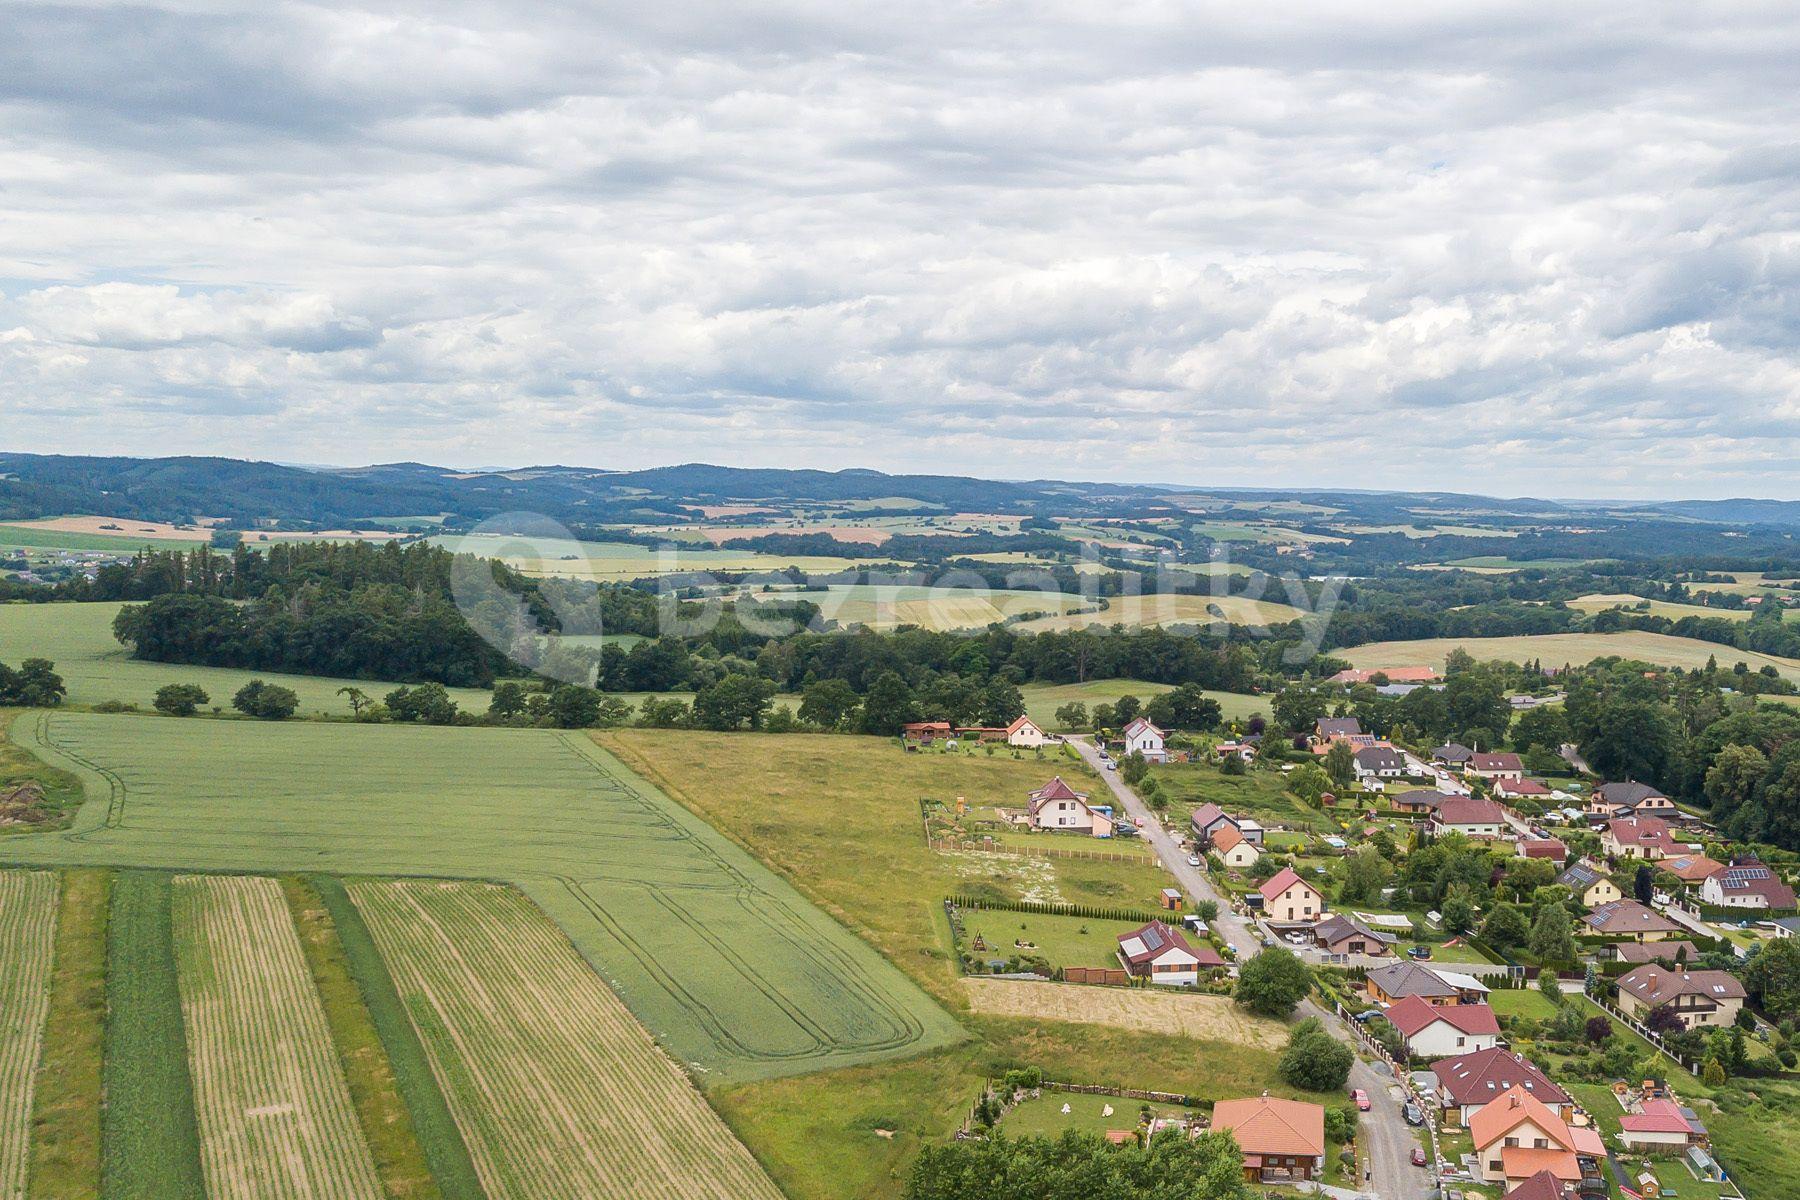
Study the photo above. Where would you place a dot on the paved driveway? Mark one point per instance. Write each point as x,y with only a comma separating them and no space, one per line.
1387,1138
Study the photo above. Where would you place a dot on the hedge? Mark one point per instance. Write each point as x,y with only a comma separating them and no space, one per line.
1090,912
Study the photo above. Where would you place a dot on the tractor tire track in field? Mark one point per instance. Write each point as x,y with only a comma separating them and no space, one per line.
560,1093
276,1119
27,944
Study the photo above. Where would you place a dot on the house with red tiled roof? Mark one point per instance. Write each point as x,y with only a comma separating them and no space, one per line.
1746,883
1551,849
1521,789
1467,1083
1517,1136
1436,1031
1468,816
1282,1140
1025,732
1692,869
1542,1186
1647,838
1162,954
1289,898
1661,1124
1234,849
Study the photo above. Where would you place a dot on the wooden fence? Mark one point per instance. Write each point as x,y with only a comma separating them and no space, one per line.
1110,976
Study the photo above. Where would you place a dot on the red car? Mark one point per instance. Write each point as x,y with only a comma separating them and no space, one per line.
1362,1099
1418,1157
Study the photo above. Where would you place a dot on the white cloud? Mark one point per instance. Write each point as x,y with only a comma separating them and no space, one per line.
1161,240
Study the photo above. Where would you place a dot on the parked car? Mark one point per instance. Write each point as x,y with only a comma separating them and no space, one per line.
1418,1157
1109,764
1193,860
1420,952
1412,1114
1362,1099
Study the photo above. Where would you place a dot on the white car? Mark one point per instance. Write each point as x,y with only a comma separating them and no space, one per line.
1193,860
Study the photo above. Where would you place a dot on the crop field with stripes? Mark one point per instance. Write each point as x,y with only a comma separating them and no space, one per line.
558,1091
732,970
27,938
273,1106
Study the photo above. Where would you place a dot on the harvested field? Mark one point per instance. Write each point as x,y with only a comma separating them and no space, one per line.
559,1092
1556,649
1171,609
122,527
269,1091
1210,1018
27,939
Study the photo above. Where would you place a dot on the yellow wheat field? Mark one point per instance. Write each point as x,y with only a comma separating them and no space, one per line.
27,937
559,1092
275,1116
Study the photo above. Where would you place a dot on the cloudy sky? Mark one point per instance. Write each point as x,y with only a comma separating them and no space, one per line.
1513,248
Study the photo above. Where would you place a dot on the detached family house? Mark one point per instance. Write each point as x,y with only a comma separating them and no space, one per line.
1436,1031
1141,737
1468,1083
1517,1136
1421,801
1379,762
1391,984
1289,898
1494,766
1025,733
1057,807
1339,934
1161,954
1469,817
1234,849
1746,883
1628,920
1592,886
1634,800
1282,1140
1702,999
1647,838
1660,1124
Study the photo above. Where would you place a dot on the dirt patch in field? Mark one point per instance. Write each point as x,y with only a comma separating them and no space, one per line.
118,527
1211,1018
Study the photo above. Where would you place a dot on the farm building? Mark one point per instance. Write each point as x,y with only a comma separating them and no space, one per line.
1282,1140
1355,675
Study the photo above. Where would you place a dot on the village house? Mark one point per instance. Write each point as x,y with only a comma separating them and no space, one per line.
1341,934
1470,1082
1059,808
1522,789
1025,733
1435,1031
1290,899
1161,954
1647,838
1692,869
1206,821
1379,762
1327,730
1470,817
926,732
1141,737
1542,1186
1422,800
1592,886
1355,675
1634,800
1391,984
1661,1124
1282,1140
1674,952
1628,920
1550,849
1517,1136
1234,849
1701,999
1452,754
1746,883
1494,766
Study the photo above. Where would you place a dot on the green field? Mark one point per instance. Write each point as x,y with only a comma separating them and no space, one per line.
560,1094
1557,649
96,668
1064,941
724,962
1173,608
879,606
626,560
28,538
1043,699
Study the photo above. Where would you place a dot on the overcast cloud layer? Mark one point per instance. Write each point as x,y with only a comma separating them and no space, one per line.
1519,248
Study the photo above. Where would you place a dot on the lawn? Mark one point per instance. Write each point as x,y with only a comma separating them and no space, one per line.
1044,1116
1519,1002
1556,649
1043,699
729,966
1064,941
1262,793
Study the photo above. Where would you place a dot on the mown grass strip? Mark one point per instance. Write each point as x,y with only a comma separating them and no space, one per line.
434,1128
386,1122
27,953
151,1141
65,1114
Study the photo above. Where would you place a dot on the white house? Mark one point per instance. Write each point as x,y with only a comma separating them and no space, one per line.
1141,737
1162,955
1746,884
1379,762
1057,807
1440,1030
1234,849
1289,898
1025,732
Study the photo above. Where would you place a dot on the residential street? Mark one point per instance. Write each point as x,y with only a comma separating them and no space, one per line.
1387,1138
